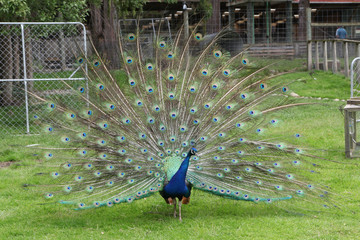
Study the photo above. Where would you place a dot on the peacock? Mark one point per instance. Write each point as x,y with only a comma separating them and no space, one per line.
182,119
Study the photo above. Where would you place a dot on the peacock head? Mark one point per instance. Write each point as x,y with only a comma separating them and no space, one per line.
192,151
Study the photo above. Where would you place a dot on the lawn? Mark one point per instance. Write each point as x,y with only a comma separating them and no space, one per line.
24,216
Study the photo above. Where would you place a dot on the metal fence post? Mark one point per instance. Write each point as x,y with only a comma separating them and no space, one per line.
47,65
25,78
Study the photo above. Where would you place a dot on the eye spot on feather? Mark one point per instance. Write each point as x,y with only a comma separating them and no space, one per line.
203,139
216,119
274,121
171,95
126,121
149,67
67,189
131,37
49,195
248,169
129,60
217,54
81,205
162,44
139,103
173,115
150,89
299,192
100,87
96,63
132,82
121,138
171,77
226,72
80,60
289,176
198,36
82,135
170,55
204,72
215,86
65,139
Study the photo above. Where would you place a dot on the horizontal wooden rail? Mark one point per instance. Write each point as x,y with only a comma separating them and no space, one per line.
340,49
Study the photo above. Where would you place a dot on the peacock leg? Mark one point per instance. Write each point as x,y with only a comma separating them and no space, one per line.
175,207
180,202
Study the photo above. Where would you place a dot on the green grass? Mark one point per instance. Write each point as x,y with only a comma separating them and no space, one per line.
22,216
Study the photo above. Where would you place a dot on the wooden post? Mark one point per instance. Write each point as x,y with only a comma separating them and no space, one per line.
268,23
289,17
309,62
325,57
317,55
347,135
346,60
334,65
186,33
250,23
231,17
308,24
349,131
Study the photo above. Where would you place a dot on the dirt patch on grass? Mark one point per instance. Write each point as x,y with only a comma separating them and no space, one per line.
5,164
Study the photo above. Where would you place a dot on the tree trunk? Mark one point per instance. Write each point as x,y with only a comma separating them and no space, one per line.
303,5
7,87
29,58
16,63
103,24
213,24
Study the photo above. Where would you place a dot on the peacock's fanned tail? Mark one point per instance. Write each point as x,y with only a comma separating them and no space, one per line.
130,136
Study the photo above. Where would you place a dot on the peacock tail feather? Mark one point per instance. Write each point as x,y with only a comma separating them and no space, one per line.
128,138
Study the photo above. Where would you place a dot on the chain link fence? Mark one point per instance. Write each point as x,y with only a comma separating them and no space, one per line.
36,57
355,78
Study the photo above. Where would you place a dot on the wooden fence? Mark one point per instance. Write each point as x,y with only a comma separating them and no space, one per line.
332,54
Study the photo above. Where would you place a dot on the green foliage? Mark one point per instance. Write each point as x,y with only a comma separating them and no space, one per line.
13,10
43,10
133,7
205,7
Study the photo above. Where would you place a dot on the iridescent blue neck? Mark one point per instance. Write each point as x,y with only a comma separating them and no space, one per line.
177,186
180,175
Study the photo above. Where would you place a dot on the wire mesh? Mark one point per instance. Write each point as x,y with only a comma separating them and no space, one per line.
355,78
36,57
